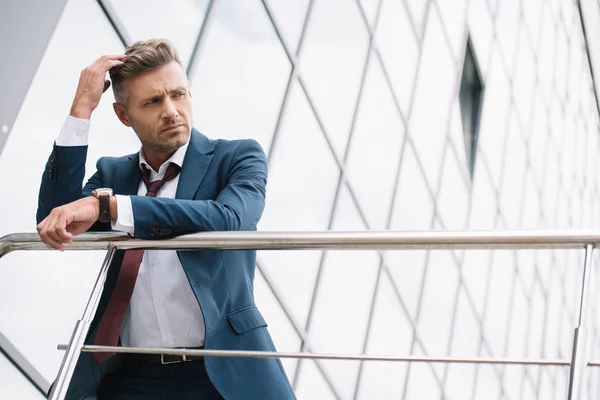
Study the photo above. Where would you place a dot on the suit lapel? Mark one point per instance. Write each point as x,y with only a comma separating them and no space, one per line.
128,176
195,164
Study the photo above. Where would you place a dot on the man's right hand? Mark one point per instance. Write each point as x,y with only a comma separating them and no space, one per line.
92,84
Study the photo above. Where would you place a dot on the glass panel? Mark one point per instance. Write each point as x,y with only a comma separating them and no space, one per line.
525,84
281,329
436,89
242,60
438,296
289,17
300,195
178,21
63,280
481,28
459,381
562,62
532,14
531,204
312,385
488,384
475,274
375,150
332,64
484,207
13,385
418,11
466,336
511,192
550,196
399,48
453,15
547,57
458,138
370,9
537,329
391,334
413,211
453,199
343,303
494,119
422,383
497,313
539,140
508,19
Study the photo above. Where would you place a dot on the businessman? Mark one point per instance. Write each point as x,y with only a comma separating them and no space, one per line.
180,182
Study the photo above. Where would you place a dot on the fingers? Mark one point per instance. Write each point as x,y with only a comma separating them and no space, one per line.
52,230
104,63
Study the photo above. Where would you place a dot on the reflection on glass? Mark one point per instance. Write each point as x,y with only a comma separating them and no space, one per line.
13,385
375,149
453,15
453,198
439,291
289,16
178,21
332,63
399,49
436,88
302,183
390,334
511,191
312,385
241,74
418,11
343,301
281,329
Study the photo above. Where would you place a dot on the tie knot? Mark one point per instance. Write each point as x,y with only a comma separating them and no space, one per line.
153,187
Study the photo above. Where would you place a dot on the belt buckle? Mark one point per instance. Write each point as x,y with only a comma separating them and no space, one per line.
163,362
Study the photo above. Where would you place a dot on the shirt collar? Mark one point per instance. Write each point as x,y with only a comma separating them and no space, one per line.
176,158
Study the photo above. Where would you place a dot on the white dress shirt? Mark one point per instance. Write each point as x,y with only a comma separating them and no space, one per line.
163,311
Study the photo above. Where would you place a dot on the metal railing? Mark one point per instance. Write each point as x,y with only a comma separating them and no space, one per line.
433,240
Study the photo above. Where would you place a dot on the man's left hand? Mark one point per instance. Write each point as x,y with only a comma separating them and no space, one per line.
67,221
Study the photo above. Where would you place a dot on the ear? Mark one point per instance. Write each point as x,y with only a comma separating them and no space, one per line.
122,114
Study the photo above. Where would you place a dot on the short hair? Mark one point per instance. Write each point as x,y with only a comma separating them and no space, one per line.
141,57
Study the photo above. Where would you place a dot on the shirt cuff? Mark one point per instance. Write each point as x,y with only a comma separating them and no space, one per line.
124,222
74,132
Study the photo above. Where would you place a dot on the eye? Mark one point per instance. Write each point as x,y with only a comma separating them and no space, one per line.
179,94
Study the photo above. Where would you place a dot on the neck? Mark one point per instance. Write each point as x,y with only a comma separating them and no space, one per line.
157,158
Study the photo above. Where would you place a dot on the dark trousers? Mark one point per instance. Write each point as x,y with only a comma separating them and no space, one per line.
136,380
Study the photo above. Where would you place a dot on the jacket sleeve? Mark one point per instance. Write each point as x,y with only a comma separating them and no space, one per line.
238,206
62,181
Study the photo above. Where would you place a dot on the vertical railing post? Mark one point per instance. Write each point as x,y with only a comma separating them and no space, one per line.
579,356
61,385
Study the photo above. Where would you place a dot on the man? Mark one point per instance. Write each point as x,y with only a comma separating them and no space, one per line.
180,182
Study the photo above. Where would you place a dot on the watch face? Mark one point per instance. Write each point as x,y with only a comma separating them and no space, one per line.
103,192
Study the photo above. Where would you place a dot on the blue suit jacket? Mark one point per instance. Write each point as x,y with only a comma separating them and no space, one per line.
221,188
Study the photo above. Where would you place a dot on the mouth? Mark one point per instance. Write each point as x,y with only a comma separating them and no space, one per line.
172,128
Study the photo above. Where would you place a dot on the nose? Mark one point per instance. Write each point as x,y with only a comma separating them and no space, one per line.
169,111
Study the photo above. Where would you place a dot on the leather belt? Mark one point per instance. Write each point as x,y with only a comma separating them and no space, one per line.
164,358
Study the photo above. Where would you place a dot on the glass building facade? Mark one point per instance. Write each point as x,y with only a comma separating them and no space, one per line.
374,114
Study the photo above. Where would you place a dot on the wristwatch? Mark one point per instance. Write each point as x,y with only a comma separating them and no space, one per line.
103,195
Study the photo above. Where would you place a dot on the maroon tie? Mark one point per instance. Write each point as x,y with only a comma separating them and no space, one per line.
112,320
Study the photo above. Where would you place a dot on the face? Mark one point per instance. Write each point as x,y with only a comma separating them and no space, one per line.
158,108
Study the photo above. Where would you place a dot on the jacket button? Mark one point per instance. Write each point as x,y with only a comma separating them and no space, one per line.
165,231
152,231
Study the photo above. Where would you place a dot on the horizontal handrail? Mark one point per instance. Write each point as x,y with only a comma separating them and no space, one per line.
319,356
330,240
